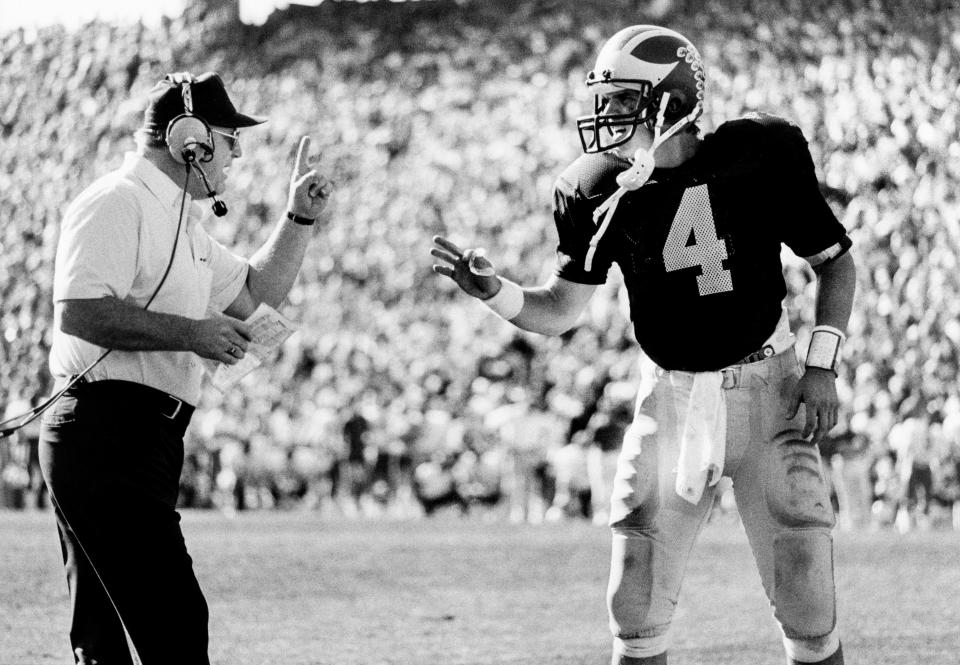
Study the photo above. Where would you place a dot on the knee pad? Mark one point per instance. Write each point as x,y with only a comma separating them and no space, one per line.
635,619
630,589
803,593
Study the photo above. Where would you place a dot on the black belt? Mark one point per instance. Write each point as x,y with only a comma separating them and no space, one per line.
758,355
130,395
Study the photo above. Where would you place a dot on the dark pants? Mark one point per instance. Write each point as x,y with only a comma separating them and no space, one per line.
111,456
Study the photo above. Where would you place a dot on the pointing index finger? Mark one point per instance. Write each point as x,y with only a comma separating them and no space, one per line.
303,159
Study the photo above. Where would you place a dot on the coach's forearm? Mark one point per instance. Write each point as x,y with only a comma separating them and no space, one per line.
274,267
114,324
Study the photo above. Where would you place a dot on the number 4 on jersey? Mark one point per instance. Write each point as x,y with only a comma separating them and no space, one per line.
708,251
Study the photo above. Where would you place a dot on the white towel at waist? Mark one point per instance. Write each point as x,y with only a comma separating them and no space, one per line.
702,415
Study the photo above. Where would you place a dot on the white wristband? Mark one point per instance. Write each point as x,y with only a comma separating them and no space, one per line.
824,351
509,300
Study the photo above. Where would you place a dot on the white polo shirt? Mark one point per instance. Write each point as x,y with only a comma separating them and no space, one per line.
116,240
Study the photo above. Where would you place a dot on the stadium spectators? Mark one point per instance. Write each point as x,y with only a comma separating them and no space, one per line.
455,124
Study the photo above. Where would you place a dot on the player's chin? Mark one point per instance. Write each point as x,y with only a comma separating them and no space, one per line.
626,146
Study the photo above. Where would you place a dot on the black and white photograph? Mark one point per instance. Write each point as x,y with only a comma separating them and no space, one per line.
479,332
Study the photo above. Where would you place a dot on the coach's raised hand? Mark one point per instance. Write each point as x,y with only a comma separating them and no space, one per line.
468,268
309,189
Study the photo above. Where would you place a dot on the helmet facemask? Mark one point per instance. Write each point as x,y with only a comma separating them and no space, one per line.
602,131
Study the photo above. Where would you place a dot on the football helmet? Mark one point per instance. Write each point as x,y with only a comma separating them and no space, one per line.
649,60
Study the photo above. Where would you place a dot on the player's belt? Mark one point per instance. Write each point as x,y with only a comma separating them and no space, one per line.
732,374
779,341
767,351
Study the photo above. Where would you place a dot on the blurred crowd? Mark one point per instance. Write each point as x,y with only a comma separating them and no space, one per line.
399,395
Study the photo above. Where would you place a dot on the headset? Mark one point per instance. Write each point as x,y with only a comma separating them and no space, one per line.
187,132
182,142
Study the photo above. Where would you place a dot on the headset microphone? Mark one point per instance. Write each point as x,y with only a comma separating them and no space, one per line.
219,207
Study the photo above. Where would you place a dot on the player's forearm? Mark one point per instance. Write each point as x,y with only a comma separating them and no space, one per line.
274,267
837,281
114,324
543,312
552,309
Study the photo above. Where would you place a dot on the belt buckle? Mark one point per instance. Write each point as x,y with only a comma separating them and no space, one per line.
731,377
176,409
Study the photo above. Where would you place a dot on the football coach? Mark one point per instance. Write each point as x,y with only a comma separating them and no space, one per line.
141,294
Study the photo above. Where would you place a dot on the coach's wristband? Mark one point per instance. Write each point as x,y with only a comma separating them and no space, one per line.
302,221
509,300
824,351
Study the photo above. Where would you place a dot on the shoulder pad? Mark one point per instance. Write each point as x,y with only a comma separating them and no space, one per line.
592,174
760,138
762,126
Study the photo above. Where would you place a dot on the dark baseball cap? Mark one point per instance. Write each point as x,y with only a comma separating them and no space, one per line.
210,102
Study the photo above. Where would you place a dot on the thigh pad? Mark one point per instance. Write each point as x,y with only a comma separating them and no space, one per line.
795,490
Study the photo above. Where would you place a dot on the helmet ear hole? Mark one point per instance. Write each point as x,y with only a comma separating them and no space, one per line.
676,104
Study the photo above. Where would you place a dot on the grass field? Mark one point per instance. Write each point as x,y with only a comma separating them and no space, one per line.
295,589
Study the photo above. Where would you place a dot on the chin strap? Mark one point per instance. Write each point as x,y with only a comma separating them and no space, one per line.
636,176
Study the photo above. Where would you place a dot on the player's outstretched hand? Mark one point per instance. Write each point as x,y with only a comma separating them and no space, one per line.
309,189
817,389
468,268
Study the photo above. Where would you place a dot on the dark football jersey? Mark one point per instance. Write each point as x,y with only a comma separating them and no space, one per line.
699,244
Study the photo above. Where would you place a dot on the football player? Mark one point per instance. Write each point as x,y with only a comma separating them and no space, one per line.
695,223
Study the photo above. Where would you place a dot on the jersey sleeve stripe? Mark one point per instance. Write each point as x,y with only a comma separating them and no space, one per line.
831,252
